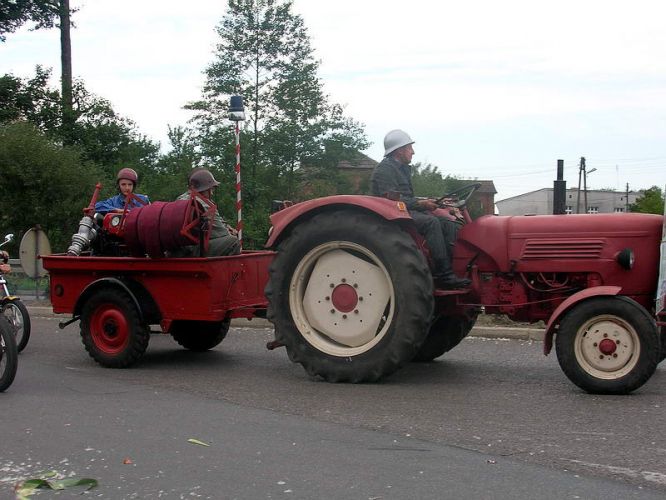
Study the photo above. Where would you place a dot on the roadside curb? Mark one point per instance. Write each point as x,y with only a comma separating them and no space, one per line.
490,332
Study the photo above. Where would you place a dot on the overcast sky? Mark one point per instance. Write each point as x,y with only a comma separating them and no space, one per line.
487,89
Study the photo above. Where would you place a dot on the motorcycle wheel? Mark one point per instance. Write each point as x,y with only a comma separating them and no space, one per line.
8,355
18,317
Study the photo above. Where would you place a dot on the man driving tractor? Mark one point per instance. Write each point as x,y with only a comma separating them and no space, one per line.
393,175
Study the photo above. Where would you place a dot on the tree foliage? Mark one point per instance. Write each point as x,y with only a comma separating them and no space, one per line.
651,202
16,13
42,183
102,136
429,182
264,54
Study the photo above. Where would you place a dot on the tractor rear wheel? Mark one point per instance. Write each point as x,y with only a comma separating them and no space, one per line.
111,329
350,296
199,335
445,333
608,345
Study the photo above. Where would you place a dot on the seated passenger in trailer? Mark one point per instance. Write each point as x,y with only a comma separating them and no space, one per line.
126,182
222,237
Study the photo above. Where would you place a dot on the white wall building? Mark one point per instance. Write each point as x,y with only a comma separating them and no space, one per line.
540,202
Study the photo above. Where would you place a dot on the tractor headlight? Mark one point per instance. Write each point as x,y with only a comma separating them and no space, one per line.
626,258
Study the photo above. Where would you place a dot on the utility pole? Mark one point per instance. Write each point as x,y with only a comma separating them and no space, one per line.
582,161
626,199
580,174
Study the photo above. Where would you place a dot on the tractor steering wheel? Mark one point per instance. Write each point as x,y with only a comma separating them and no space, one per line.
468,190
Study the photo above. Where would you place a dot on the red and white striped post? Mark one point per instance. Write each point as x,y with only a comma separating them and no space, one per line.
237,114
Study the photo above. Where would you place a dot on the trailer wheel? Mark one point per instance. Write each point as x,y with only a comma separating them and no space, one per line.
445,333
199,335
350,296
111,329
608,345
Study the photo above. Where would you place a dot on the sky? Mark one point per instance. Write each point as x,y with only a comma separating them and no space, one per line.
486,89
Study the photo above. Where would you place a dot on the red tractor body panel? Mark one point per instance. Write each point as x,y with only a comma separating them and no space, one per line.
525,266
388,209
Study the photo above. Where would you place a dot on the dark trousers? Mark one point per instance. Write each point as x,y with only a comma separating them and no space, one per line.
440,235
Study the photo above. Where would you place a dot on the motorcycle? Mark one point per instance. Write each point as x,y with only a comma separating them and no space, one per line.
11,307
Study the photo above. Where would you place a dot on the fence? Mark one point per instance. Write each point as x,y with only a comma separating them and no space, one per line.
21,284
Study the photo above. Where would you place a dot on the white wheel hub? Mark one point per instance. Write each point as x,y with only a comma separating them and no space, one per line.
607,347
340,302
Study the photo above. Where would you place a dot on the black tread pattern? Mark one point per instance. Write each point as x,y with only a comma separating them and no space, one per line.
8,355
139,334
199,335
411,280
445,334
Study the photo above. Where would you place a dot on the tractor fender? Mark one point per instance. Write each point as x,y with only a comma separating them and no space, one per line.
284,219
144,302
554,320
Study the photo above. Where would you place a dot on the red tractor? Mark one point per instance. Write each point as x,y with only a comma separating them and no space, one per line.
349,290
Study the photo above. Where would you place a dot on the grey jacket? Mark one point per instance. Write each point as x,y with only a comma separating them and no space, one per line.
392,176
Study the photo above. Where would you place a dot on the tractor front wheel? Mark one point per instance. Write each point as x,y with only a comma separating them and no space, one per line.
111,329
608,345
350,296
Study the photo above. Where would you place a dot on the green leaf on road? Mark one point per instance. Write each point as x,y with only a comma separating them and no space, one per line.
28,487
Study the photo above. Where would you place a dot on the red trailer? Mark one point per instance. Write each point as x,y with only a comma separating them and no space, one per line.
348,287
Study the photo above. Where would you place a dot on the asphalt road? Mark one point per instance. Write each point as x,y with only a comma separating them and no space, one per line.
492,419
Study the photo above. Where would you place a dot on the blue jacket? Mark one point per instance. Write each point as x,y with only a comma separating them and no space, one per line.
118,201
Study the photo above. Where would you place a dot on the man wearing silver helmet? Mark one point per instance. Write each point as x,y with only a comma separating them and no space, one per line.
393,176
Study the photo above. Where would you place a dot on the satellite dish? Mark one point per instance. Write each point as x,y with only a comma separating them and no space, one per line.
33,244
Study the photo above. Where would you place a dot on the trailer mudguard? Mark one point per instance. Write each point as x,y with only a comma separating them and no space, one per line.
385,208
567,304
143,301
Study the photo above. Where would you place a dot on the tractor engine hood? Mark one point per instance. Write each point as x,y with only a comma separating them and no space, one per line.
560,243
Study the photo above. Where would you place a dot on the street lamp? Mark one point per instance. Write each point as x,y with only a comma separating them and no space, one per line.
237,115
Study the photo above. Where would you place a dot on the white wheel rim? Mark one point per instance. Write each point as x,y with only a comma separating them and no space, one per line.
15,318
607,347
342,304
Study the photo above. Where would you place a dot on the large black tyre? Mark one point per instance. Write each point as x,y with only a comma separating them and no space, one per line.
8,355
18,316
111,329
350,296
608,345
199,335
445,333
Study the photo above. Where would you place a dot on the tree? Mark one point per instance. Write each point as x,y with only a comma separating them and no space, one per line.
43,13
16,13
651,202
42,183
428,182
103,137
264,54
